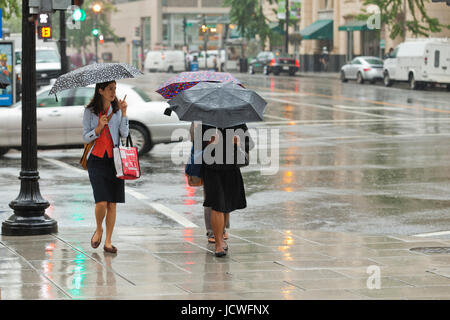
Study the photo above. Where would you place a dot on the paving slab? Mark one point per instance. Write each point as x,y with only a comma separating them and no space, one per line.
179,264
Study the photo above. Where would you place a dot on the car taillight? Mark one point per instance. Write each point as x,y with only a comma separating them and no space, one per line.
297,64
272,62
367,69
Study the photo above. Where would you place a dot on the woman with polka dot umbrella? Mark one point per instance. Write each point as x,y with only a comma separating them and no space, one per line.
186,80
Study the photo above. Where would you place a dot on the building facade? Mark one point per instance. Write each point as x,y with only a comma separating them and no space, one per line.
331,24
158,24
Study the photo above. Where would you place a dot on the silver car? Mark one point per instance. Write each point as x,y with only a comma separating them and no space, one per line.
362,69
60,123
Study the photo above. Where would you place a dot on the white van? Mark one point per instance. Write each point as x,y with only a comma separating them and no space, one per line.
419,61
165,61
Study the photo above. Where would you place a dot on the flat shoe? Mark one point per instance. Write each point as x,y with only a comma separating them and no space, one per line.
97,243
220,254
110,250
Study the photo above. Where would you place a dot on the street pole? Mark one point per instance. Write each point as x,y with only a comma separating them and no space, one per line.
95,40
63,42
205,40
286,41
29,216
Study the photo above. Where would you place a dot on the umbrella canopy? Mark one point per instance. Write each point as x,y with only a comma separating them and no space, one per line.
186,80
220,105
94,73
4,81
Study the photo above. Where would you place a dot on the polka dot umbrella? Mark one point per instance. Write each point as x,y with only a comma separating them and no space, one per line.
186,80
94,73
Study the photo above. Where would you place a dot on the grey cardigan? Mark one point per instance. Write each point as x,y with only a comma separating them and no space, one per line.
118,126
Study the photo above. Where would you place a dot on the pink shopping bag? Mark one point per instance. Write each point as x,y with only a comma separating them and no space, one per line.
126,161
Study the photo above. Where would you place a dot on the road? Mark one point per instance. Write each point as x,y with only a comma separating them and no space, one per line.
356,158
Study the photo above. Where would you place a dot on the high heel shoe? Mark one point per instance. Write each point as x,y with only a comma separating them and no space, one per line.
220,254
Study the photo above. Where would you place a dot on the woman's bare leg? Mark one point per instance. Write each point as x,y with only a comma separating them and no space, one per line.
100,212
110,222
218,224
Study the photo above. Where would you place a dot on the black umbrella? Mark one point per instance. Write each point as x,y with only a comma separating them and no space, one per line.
221,105
94,73
4,81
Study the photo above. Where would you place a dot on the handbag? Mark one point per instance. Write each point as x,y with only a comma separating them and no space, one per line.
126,161
193,169
88,147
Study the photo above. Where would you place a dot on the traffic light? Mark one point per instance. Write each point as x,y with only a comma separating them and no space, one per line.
95,32
79,15
44,25
101,39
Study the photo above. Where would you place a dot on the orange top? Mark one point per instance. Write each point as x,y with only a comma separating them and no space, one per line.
104,143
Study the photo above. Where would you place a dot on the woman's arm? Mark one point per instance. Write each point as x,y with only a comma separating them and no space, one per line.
89,133
124,127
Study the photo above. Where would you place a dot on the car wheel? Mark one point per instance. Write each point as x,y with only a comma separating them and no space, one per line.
387,80
3,151
359,78
343,78
250,70
140,138
266,70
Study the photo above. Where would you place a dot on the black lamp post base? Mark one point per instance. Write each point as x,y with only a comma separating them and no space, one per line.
29,226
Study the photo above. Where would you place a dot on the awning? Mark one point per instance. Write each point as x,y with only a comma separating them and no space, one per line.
275,27
319,30
355,25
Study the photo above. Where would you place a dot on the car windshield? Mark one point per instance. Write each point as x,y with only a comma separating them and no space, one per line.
46,56
374,61
142,94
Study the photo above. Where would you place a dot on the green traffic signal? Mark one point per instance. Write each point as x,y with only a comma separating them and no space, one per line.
79,15
95,32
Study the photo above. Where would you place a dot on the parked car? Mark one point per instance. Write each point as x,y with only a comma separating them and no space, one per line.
165,61
269,62
60,123
419,61
362,69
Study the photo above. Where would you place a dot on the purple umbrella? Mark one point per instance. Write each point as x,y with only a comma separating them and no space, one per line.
186,80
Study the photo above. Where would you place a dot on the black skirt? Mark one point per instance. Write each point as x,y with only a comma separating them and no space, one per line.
106,186
224,189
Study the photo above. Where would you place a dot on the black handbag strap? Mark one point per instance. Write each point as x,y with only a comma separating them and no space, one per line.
129,141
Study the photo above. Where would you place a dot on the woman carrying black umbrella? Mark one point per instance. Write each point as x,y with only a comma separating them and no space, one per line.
105,120
223,184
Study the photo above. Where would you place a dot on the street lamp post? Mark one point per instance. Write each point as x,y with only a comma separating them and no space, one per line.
286,40
29,216
96,8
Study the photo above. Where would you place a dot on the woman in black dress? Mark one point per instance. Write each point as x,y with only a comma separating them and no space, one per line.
222,179
105,121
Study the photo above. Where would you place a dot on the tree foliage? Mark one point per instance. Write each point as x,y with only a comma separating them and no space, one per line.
249,17
82,37
10,8
393,14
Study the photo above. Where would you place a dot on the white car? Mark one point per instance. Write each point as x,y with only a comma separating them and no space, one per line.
60,123
363,68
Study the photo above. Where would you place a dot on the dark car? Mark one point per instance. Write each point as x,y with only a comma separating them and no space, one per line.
269,62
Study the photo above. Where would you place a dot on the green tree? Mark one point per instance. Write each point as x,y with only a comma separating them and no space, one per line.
249,17
82,37
393,14
10,8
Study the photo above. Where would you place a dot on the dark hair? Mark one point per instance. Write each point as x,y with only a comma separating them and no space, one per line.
96,104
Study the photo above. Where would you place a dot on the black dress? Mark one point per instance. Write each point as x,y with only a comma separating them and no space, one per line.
105,185
223,183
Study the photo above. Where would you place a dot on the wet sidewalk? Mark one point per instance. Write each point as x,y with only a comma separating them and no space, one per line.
179,264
